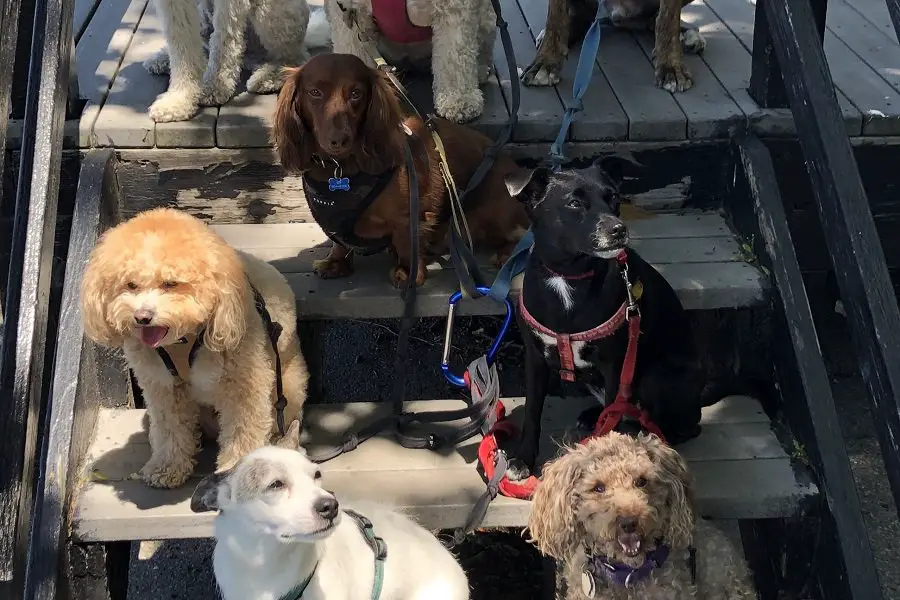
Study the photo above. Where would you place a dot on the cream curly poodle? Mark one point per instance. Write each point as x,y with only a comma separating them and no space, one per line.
460,48
182,304
617,513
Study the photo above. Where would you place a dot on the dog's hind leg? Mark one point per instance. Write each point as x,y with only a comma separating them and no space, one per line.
187,61
487,26
246,418
454,61
281,27
546,66
537,375
226,51
343,39
671,73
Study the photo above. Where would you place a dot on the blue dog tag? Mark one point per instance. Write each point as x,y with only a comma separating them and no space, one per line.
339,184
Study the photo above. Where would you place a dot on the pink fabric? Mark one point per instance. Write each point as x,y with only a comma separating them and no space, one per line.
393,22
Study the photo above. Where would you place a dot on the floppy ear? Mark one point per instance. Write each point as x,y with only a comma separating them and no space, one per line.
615,163
527,185
210,491
228,321
552,522
292,140
291,439
97,291
679,531
381,139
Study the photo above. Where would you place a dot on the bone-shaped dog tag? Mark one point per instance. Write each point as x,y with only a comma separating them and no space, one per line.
588,586
339,184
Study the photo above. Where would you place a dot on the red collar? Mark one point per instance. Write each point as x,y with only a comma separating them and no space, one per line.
392,20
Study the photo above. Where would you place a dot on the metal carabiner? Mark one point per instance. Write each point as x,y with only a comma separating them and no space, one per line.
449,375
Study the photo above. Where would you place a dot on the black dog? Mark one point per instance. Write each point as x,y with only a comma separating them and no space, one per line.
573,283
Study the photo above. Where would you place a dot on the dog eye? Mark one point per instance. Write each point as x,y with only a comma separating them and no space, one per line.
131,285
169,284
599,488
314,92
275,485
317,475
356,94
640,482
575,203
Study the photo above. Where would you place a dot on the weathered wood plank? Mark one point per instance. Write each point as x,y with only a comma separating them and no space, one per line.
438,489
98,55
875,12
603,117
246,121
880,52
709,109
652,112
738,16
123,121
541,109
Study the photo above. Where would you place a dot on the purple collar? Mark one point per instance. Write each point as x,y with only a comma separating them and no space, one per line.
600,567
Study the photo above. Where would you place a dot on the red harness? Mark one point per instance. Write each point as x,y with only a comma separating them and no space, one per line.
392,19
489,448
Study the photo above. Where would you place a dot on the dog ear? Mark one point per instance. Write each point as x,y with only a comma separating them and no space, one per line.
527,185
291,439
97,291
615,163
207,493
381,138
228,322
292,140
552,522
674,473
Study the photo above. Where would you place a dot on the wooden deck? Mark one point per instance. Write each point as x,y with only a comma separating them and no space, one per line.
438,489
115,36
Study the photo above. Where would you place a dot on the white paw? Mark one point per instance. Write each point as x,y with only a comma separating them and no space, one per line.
174,105
158,64
216,93
544,76
692,41
267,79
461,107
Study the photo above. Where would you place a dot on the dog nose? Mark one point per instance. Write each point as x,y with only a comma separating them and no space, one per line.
619,229
327,508
627,524
339,141
143,316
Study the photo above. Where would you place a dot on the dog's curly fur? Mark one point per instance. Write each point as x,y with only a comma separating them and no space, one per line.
183,279
461,48
198,78
586,492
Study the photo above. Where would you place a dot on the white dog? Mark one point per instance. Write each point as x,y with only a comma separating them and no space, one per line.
461,44
280,535
280,27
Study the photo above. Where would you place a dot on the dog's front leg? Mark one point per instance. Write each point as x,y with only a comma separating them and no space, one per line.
226,51
174,435
546,66
246,417
671,74
454,60
537,375
186,58
338,263
400,241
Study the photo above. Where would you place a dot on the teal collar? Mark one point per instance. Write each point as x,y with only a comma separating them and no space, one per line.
379,549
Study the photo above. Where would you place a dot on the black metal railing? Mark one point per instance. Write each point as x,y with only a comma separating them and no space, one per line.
27,288
788,39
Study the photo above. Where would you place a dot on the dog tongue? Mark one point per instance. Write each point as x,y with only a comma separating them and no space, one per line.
152,336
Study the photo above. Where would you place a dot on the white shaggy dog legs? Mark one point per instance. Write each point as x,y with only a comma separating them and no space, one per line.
454,61
187,61
276,24
343,39
226,52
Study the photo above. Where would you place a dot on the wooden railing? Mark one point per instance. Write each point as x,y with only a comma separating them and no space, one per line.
27,288
788,40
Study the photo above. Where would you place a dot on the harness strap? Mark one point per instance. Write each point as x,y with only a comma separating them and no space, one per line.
378,547
167,358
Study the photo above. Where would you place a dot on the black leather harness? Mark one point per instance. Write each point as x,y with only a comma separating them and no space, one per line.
273,331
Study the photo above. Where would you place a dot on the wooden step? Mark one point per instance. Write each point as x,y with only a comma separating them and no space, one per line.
695,251
740,468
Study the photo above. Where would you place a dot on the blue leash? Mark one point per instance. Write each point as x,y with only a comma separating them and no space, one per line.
583,73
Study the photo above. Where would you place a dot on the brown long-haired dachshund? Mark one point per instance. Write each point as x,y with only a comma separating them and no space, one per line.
339,124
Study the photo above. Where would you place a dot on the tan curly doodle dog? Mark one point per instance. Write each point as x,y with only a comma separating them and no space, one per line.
184,307
617,513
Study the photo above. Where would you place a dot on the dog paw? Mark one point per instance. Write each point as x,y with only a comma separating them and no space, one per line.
587,420
682,434
332,269
517,470
166,475
174,105
540,74
267,79
158,64
692,41
460,107
399,276
673,77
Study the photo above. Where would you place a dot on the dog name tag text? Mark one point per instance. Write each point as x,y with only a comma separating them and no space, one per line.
588,586
339,184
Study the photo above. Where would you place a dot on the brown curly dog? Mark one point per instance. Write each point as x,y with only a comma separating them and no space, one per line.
617,513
